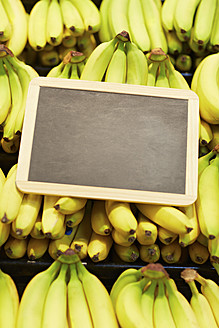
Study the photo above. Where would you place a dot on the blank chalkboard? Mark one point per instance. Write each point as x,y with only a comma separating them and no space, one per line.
109,141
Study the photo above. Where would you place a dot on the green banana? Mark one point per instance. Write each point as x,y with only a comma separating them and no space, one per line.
116,70
137,67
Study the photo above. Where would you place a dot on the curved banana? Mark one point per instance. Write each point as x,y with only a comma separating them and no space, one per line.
9,301
149,253
116,70
214,38
152,73
146,232
99,219
55,307
89,13
213,247
4,232
37,25
5,25
147,301
117,17
198,253
215,139
69,205
168,217
54,24
98,61
171,253
36,248
72,18
122,238
127,253
188,238
15,248
99,247
36,231
162,79
74,219
56,71
166,236
104,33
206,134
175,46
176,79
162,314
137,27
86,43
18,18
137,67
98,298
167,14
78,310
5,93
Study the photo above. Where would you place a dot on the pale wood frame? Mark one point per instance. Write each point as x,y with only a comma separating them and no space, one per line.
136,196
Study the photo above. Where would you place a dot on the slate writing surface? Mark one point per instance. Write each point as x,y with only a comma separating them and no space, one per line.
107,139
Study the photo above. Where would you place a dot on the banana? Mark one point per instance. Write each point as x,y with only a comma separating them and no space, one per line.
126,277
152,17
68,40
5,25
208,90
214,38
78,310
36,248
128,306
176,79
5,93
213,248
166,236
55,307
48,58
183,63
162,79
201,307
72,18
16,101
207,205
206,134
166,216
137,67
171,253
89,13
54,24
152,73
138,30
127,253
34,296
4,232
175,46
98,298
15,248
25,73
83,234
36,231
189,238
69,205
11,198
86,43
209,289
99,219
161,312
27,214
18,18
74,219
147,301
104,33
182,312
123,239
149,253
215,139
202,239
74,75
146,232
56,71
116,70
183,18
198,253
117,17
121,217
195,77
59,246
52,220
167,14
9,301
37,25
98,61
99,247
204,161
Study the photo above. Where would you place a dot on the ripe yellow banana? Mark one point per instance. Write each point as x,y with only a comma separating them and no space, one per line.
198,253
171,253
36,231
99,247
36,248
213,247
202,239
166,236
214,38
147,301
54,24
69,205
74,219
104,33
122,238
4,232
99,301
15,248
33,298
5,93
78,310
188,238
117,17
99,219
149,253
116,70
146,232
72,18
167,14
127,253
206,134
137,67
5,25
9,301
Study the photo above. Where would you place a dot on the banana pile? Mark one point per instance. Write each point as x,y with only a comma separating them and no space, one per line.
13,25
15,77
149,298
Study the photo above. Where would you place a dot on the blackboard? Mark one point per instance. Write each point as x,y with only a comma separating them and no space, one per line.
104,140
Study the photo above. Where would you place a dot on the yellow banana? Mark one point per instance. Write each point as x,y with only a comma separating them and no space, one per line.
117,17
36,231
137,67
146,232
104,33
206,134
122,238
175,46
5,93
198,253
189,238
36,248
171,253
4,232
152,73
166,236
15,248
176,79
215,139
99,219
56,71
86,43
116,70
74,219
149,253
5,25
127,253
213,248
214,38
72,18
69,205
54,24
202,239
147,301
99,247
167,14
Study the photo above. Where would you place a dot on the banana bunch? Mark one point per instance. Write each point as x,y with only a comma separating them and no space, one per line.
140,18
66,294
13,25
205,84
194,22
118,60
15,77
53,22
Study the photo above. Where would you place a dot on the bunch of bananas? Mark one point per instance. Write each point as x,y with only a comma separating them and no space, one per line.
13,25
194,22
140,18
148,297
52,22
15,77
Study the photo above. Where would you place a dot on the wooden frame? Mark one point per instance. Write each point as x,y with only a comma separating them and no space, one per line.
137,196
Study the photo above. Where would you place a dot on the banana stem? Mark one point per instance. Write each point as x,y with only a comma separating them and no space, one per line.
193,287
